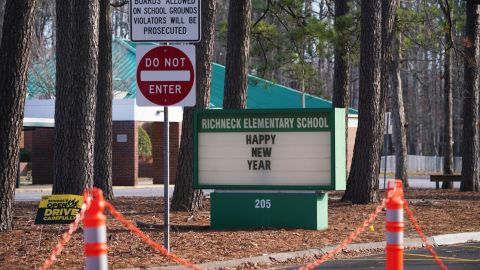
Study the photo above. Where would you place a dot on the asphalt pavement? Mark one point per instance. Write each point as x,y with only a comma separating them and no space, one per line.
455,257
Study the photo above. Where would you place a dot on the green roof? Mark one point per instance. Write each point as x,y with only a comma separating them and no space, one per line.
261,94
124,64
41,79
41,75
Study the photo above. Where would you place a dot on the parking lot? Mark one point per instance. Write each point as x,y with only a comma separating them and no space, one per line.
455,257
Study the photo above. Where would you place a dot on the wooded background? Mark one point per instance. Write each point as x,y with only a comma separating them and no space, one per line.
293,42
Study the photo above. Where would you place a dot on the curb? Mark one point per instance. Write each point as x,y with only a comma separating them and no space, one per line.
438,240
456,238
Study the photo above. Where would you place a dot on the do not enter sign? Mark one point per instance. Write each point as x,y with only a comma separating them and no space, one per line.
166,75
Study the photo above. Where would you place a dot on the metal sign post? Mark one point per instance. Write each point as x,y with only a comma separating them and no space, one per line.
166,179
166,74
166,77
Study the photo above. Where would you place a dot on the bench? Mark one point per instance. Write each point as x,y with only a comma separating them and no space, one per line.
445,178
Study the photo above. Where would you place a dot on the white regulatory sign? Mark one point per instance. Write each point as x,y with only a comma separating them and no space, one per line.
165,20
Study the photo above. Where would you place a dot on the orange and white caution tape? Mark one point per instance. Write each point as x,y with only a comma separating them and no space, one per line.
422,235
147,239
351,237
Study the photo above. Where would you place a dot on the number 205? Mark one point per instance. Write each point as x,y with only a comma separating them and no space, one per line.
262,203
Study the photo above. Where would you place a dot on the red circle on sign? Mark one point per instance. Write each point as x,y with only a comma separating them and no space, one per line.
165,75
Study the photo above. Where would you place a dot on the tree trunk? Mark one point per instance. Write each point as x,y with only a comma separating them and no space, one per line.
14,56
424,98
448,109
389,9
409,103
470,173
184,197
434,135
341,69
305,48
102,177
341,81
398,115
448,95
417,109
2,12
76,84
362,182
238,47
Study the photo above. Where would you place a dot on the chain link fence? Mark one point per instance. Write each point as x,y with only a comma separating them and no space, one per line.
422,164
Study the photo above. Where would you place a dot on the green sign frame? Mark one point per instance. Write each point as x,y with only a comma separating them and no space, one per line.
336,127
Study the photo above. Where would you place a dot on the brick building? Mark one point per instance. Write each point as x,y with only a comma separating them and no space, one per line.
127,117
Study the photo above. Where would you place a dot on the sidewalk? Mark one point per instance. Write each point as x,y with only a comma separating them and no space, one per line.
144,188
142,183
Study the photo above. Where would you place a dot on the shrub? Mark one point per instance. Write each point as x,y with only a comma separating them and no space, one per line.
25,155
144,143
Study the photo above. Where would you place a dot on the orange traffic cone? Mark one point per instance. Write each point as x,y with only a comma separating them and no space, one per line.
395,226
95,232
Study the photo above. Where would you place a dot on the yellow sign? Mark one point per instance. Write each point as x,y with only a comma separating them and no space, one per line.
58,209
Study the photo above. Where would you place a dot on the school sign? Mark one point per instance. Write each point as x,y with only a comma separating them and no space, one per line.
263,153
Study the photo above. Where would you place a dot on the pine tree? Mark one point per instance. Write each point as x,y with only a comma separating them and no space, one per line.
102,177
376,36
184,197
76,84
238,48
471,148
14,56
